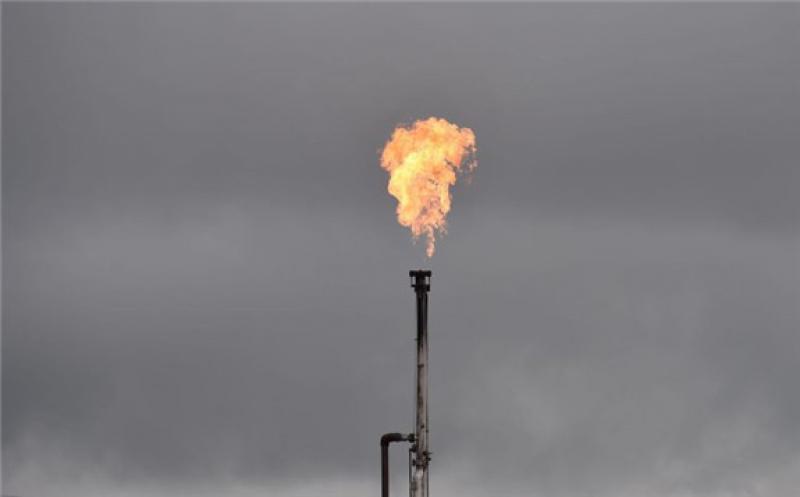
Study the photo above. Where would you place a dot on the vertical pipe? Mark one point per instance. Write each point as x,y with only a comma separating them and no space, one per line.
386,439
384,469
419,483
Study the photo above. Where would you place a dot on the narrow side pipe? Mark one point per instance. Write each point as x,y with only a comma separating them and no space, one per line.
386,439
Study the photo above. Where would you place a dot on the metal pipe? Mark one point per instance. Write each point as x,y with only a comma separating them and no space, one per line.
420,281
386,439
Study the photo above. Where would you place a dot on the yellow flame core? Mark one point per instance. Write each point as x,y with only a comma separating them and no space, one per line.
423,161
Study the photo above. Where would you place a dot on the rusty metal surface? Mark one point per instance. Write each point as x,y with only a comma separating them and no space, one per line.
420,281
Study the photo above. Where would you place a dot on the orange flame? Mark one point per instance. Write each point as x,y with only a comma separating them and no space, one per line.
423,161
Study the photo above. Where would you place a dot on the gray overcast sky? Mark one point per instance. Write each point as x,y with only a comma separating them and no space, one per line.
205,288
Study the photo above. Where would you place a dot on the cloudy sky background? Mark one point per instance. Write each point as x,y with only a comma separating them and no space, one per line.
205,290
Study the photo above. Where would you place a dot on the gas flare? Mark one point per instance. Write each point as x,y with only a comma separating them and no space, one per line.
423,161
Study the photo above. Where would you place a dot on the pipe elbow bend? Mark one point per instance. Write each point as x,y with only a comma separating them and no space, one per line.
388,438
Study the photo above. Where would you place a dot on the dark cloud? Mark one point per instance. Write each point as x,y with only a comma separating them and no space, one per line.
205,288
